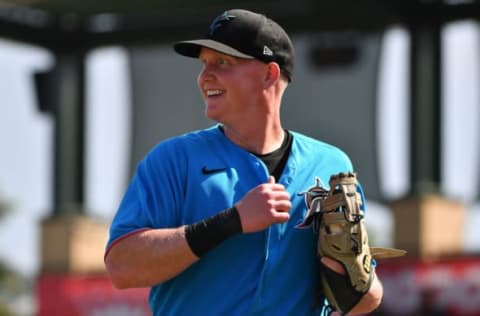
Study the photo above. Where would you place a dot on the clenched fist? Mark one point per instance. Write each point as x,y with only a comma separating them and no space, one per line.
264,205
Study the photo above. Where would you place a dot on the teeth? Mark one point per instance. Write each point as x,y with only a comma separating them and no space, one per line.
214,92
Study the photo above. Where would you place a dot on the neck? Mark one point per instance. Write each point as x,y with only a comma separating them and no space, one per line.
261,140
260,131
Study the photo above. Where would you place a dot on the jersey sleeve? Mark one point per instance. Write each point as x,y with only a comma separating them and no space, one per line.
152,197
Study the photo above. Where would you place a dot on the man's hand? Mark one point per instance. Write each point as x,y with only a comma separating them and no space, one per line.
264,205
370,301
333,265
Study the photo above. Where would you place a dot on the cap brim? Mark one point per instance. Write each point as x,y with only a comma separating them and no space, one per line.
192,48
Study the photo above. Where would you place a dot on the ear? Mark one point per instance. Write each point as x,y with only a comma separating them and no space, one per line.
272,74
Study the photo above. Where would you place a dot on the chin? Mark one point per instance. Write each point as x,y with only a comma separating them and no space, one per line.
212,114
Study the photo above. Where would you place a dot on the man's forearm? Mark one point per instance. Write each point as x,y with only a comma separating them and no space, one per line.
149,257
371,300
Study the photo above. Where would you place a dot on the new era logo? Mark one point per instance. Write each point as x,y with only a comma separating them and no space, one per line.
267,51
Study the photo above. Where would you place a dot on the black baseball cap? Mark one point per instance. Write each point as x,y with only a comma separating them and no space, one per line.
245,34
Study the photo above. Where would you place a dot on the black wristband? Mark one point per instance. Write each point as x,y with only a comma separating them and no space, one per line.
210,232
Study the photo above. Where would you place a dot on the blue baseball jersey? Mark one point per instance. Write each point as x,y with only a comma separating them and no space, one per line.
194,176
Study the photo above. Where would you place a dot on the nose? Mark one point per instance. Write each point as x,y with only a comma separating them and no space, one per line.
204,76
206,73
201,79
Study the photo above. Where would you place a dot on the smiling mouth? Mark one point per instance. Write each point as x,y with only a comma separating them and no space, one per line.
214,93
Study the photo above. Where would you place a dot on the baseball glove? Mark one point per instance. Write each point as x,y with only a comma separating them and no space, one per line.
337,216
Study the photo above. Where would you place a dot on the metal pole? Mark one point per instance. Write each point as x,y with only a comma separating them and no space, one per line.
425,108
69,133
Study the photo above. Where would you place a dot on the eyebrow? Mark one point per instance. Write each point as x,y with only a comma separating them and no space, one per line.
221,56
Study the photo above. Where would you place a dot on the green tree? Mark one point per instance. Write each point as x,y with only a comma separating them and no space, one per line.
8,279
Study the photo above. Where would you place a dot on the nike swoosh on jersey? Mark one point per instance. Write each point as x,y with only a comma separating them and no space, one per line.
211,171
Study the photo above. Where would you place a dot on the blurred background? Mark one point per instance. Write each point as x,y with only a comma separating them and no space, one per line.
87,88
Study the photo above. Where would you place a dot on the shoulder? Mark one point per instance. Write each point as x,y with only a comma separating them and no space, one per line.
186,143
177,151
307,146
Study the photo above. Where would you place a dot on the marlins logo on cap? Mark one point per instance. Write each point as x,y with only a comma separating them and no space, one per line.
219,20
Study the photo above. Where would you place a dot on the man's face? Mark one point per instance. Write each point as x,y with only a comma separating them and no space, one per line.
230,86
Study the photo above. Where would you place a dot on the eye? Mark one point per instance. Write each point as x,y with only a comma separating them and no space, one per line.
223,61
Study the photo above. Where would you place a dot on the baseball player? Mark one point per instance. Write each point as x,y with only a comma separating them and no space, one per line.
209,220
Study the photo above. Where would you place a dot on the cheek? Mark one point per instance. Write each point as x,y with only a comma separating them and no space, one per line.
248,85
